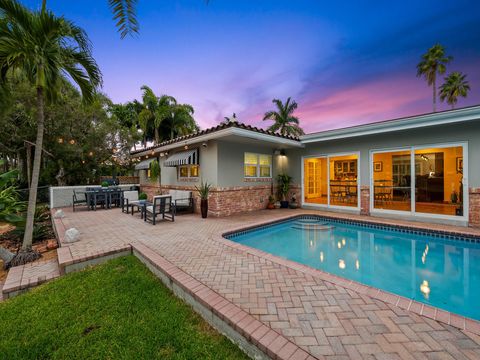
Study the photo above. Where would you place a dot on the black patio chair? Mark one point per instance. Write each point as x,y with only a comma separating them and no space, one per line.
162,205
79,198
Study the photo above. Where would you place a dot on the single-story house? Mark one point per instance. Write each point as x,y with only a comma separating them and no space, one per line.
424,167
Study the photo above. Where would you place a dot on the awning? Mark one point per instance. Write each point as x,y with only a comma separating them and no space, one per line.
189,157
144,165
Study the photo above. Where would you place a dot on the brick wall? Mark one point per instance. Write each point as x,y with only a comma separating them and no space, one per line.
474,203
225,201
364,200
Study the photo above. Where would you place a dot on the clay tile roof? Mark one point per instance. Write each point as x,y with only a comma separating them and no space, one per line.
212,130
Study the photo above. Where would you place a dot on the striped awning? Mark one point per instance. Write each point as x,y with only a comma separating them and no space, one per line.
144,165
189,157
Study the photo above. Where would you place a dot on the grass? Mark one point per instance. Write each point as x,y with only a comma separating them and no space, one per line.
117,310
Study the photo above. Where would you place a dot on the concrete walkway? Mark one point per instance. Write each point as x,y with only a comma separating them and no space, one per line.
309,308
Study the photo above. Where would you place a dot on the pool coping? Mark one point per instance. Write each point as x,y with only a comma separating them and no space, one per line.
419,308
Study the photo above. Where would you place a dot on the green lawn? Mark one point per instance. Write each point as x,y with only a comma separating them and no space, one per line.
118,310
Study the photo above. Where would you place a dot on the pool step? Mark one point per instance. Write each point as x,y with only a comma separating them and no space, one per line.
312,227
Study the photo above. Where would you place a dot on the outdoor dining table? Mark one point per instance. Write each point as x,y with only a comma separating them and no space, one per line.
94,196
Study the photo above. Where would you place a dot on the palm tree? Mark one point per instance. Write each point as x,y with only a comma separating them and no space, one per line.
454,86
182,121
433,62
45,48
284,121
232,119
155,110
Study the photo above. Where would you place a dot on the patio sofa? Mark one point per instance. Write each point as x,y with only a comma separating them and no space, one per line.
182,200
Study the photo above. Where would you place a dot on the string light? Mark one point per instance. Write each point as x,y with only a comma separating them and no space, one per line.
60,140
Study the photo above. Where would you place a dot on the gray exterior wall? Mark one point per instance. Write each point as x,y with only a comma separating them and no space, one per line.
231,162
466,132
208,167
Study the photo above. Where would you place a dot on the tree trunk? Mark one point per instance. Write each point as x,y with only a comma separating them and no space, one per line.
434,94
29,161
37,160
157,136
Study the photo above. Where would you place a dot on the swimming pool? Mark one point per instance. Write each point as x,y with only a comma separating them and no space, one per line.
433,268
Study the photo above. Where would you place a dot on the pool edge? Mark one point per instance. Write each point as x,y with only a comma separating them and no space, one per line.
435,313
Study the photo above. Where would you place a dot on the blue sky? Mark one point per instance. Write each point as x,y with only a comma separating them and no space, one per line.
345,63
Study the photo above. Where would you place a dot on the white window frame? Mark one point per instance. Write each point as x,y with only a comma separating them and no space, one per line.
327,205
257,172
413,212
189,167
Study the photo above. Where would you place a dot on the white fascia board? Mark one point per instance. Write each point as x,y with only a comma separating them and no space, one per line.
447,117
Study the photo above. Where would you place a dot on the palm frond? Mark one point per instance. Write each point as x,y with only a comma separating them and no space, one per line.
124,13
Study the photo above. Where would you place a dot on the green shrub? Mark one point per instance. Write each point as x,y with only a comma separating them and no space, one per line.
104,184
154,170
142,196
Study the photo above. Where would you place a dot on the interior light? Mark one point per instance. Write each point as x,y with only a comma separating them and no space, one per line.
341,264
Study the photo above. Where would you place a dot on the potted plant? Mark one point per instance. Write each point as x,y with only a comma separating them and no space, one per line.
293,203
203,191
271,202
154,170
142,196
104,183
283,181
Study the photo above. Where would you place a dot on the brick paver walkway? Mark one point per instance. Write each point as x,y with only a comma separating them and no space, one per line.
325,319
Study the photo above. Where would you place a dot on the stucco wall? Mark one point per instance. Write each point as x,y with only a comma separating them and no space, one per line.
468,132
231,162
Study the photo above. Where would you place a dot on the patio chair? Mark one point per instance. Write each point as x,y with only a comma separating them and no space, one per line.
182,200
162,205
127,197
78,199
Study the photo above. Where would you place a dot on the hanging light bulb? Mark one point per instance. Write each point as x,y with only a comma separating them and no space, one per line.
72,142
60,140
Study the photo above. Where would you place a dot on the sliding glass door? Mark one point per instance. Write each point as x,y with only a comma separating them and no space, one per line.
331,180
424,180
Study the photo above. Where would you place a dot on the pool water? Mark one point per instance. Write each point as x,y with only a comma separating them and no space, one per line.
438,271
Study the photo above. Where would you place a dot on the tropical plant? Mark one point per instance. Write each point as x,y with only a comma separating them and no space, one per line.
104,184
142,196
10,205
154,170
454,86
182,121
44,47
231,119
433,62
155,110
203,190
283,181
284,121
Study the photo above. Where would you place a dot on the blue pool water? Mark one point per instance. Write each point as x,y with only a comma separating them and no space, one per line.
438,271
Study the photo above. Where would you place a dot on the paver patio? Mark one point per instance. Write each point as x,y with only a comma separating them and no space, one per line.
323,318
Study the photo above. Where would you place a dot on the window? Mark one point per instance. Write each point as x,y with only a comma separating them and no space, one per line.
257,165
188,171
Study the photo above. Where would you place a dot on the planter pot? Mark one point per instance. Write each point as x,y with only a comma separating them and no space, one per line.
293,205
204,208
270,206
284,204
277,205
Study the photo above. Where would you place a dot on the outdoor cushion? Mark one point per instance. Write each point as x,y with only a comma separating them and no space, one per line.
130,195
180,197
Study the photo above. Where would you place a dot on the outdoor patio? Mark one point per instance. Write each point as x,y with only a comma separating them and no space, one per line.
305,306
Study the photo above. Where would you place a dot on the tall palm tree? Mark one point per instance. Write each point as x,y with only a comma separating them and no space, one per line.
433,62
182,121
45,48
156,110
231,119
454,86
284,121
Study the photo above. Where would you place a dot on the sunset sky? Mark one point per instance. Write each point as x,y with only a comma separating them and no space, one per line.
345,63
